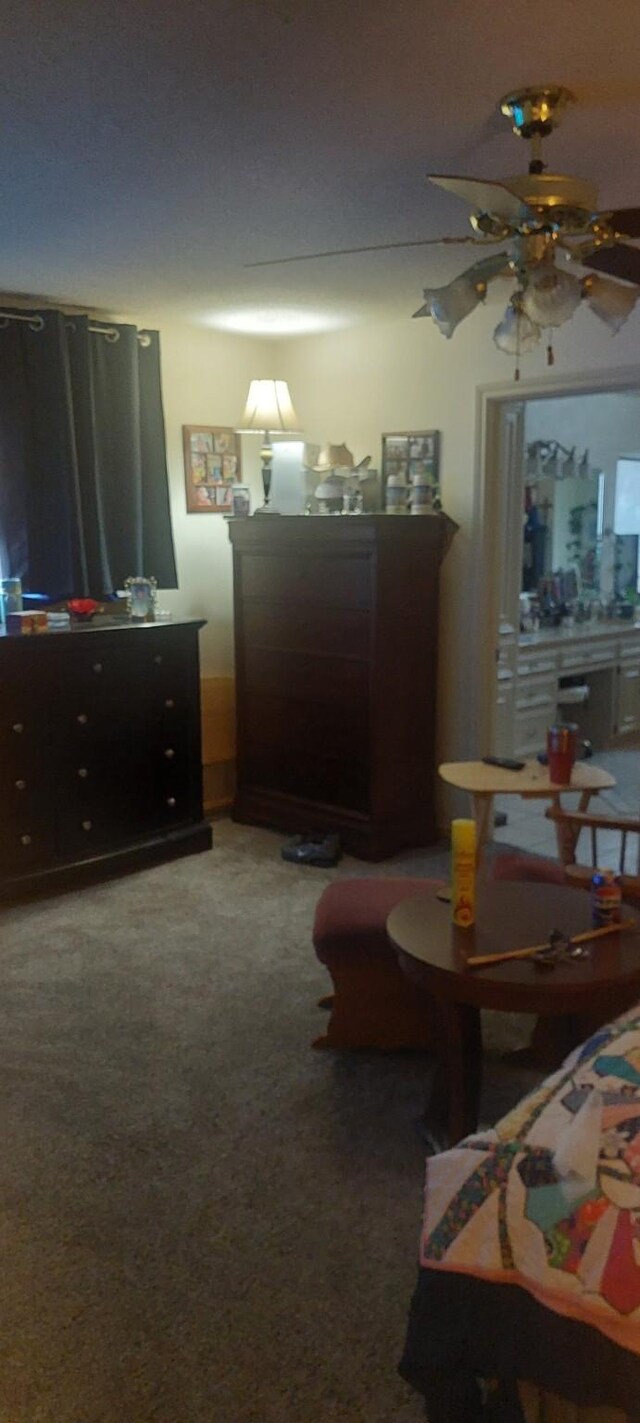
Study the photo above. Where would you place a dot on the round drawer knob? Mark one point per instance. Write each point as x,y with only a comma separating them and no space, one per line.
97,666
169,702
82,718
171,800
83,772
21,785
87,824
18,726
169,753
25,839
158,659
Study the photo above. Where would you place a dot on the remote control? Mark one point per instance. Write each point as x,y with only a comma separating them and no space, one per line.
506,763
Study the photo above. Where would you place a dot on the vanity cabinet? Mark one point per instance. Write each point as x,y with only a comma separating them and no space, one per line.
336,659
628,689
549,667
100,764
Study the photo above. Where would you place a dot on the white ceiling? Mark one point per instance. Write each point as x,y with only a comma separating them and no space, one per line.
149,149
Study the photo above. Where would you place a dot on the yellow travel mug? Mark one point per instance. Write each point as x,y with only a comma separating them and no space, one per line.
463,875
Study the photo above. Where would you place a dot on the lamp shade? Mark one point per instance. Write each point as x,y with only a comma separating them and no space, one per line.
269,407
516,334
449,305
551,296
611,301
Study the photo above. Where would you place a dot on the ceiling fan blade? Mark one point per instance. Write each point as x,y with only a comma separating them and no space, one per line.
373,247
483,196
626,221
619,261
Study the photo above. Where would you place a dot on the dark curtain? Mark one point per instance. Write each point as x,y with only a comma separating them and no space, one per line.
84,496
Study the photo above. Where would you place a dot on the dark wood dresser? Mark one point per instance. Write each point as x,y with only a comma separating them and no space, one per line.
336,625
100,766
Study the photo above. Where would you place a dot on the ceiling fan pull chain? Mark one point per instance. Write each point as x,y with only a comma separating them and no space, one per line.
518,310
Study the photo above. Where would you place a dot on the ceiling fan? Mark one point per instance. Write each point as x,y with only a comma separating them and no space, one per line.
543,223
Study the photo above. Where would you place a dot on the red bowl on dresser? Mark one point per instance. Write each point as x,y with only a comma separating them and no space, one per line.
83,608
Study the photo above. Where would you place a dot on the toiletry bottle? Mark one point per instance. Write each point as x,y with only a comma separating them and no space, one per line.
463,867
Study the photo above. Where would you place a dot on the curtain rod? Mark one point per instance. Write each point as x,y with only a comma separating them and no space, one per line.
37,324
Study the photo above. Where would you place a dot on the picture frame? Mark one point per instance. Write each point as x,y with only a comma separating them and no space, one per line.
212,465
411,452
141,598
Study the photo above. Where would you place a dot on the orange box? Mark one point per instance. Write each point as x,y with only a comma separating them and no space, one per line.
26,623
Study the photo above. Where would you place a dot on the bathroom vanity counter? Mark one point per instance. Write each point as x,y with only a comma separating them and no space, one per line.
581,633
589,673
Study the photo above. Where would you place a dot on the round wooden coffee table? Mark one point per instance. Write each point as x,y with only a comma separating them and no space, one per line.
433,952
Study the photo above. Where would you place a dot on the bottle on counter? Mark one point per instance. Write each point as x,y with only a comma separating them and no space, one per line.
396,494
606,898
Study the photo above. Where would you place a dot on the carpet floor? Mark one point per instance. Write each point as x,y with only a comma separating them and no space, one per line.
201,1218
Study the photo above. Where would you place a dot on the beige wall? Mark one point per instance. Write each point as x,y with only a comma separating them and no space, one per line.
205,379
353,385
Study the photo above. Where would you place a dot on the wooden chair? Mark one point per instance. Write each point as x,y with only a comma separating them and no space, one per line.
569,827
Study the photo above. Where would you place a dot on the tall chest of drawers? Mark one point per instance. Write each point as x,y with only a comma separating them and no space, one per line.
100,765
336,652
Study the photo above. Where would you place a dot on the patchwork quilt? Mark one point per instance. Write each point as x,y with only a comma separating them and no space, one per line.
550,1199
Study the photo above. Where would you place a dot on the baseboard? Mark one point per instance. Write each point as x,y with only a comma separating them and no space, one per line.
217,695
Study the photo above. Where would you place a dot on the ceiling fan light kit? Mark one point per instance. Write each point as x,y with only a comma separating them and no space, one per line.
540,217
516,334
554,214
611,301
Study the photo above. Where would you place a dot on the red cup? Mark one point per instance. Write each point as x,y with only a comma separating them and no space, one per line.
562,745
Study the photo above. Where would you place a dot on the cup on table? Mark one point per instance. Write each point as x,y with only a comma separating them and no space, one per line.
562,749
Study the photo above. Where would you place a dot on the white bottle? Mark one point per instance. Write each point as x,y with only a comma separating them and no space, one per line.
421,495
396,494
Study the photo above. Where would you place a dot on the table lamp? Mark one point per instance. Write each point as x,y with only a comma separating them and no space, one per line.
268,409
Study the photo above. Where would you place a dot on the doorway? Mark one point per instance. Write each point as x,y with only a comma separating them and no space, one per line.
557,577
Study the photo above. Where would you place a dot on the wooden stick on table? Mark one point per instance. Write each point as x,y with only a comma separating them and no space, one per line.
483,960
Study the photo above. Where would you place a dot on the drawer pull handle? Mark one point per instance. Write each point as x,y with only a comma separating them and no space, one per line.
21,785
97,666
169,753
158,658
83,772
171,800
25,839
87,825
169,702
82,718
18,726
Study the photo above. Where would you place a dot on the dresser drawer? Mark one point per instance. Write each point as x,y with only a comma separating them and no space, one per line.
303,677
582,658
26,843
24,730
281,721
534,664
330,580
536,694
313,775
531,732
278,626
163,665
98,687
25,795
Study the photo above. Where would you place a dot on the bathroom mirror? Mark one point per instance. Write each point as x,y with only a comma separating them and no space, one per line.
581,498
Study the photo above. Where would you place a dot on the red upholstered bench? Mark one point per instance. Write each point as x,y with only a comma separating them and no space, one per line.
374,1004
517,865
